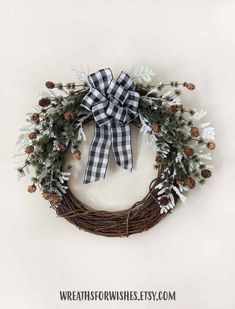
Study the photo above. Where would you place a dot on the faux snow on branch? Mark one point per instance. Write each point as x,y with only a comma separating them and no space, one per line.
142,74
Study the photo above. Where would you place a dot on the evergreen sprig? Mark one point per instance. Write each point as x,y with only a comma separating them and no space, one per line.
179,140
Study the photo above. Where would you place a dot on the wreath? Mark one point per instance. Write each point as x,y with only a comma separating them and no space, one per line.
180,141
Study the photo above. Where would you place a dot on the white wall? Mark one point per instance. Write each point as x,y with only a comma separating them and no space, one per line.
192,250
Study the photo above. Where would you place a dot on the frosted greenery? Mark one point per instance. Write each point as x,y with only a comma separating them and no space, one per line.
174,132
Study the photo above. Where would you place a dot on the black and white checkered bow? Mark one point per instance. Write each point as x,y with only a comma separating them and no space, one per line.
113,103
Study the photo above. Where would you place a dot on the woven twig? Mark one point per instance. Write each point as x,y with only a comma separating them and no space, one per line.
139,217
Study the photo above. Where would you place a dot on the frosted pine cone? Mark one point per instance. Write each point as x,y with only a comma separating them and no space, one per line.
29,149
55,200
189,86
190,182
155,127
211,145
76,155
35,117
44,102
195,132
32,188
32,135
164,201
50,85
188,151
62,147
206,173
47,195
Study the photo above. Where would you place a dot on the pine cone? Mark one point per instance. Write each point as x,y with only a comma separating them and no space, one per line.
62,147
32,188
50,85
190,182
159,160
164,201
155,128
168,109
35,117
55,200
206,173
189,86
195,132
32,135
211,145
188,151
68,115
44,102
172,109
47,195
76,155
29,149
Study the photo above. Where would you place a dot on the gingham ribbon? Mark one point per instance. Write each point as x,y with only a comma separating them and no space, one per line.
113,103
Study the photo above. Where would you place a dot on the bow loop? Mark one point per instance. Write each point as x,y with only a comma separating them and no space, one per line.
117,91
101,80
125,81
92,98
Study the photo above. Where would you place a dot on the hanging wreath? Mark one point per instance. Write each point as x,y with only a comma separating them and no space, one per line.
56,127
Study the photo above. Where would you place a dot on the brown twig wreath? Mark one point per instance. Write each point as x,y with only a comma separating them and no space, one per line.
172,130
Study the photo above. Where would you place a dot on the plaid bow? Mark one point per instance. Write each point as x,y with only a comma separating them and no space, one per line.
113,103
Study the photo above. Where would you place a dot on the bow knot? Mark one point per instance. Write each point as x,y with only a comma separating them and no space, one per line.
114,104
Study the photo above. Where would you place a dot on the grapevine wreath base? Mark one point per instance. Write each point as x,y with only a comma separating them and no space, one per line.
140,217
173,131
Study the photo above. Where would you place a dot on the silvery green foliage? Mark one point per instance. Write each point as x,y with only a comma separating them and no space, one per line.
207,131
157,99
141,74
146,129
199,114
80,74
152,138
171,98
22,140
153,104
50,172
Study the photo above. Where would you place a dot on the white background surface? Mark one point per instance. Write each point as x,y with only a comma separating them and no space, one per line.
192,250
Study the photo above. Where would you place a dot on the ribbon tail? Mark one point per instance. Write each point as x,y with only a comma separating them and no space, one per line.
121,144
98,154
